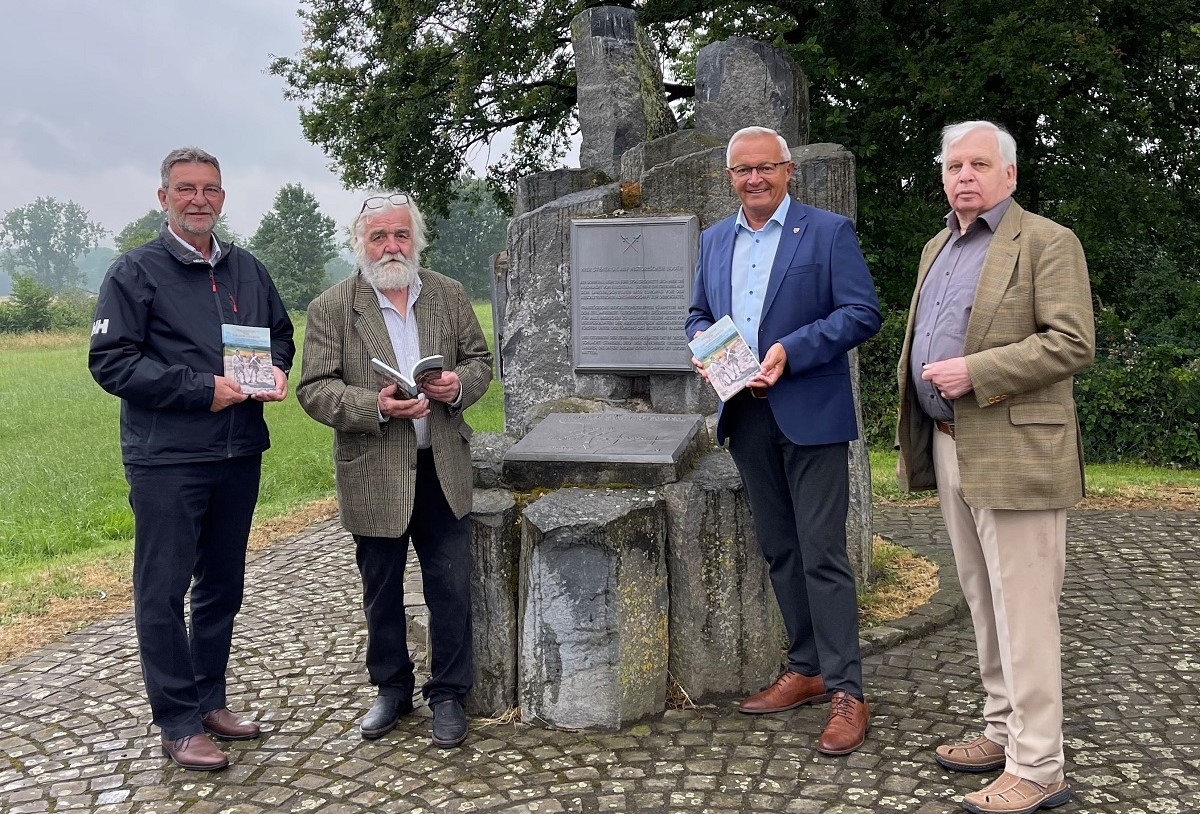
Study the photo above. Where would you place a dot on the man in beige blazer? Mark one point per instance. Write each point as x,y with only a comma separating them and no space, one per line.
402,465
1000,321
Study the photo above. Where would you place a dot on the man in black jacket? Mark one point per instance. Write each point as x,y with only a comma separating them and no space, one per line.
192,444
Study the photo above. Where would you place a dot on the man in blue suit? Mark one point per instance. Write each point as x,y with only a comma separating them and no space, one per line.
794,281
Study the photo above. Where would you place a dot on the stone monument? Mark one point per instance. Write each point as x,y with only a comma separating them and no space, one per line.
616,544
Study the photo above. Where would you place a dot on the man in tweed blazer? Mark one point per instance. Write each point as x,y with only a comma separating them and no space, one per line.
402,465
1000,321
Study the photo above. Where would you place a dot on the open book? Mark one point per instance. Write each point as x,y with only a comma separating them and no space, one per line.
726,358
410,383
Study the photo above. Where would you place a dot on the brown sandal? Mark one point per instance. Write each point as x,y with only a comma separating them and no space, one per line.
979,755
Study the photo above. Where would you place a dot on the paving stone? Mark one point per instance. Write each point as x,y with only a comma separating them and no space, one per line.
76,734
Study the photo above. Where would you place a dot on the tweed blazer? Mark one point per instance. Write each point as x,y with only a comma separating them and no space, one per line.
375,463
1030,329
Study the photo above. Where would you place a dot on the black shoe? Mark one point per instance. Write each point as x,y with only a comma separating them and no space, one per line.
449,723
383,715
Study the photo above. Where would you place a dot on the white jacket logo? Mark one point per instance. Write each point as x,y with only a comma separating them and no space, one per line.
100,326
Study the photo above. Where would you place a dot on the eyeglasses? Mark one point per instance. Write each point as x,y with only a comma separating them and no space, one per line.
765,170
378,201
188,191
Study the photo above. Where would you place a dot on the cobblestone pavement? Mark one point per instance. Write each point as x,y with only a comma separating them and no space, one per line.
75,735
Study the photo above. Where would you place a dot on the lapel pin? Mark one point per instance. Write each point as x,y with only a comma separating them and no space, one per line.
795,230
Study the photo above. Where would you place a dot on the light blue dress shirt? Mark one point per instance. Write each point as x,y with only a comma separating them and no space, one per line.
753,256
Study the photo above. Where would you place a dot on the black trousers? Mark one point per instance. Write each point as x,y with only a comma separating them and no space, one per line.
191,522
799,496
443,545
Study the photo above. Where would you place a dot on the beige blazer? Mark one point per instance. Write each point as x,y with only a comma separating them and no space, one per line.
375,462
1031,328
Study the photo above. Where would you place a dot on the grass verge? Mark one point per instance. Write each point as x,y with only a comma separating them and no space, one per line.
66,528
1109,486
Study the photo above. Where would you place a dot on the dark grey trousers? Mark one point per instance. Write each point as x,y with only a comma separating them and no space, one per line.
190,524
799,497
443,545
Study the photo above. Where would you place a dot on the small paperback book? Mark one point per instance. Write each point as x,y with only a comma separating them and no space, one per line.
726,358
248,357
410,383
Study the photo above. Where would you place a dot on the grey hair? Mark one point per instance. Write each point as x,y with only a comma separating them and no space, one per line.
186,155
757,131
1004,141
419,237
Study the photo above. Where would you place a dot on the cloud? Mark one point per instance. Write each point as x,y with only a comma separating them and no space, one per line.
107,89
95,94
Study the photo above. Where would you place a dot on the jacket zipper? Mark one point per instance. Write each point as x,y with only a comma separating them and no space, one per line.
212,278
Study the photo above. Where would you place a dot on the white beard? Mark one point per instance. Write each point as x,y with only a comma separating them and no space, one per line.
391,272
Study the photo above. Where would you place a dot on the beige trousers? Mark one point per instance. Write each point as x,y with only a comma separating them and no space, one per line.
1010,564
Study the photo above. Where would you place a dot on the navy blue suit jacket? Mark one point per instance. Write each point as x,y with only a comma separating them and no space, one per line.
820,303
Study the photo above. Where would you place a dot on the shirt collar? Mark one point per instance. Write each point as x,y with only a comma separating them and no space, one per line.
992,217
414,291
778,216
215,248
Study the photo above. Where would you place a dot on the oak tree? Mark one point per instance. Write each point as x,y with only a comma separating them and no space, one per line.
1100,96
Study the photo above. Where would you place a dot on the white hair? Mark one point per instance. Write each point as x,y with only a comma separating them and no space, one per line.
391,272
359,226
1004,141
757,131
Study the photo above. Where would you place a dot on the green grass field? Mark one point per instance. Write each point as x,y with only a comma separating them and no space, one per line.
1117,481
63,496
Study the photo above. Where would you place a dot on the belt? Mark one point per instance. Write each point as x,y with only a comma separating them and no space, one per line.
946,427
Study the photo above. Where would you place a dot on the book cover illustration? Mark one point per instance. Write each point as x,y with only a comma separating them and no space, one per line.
725,357
247,357
410,382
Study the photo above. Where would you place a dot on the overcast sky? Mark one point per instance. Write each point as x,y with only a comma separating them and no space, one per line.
94,94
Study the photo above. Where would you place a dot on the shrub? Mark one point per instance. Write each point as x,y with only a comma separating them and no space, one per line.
8,318
72,309
29,308
1141,403
877,360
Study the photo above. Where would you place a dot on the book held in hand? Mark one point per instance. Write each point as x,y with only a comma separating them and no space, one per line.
410,383
247,357
726,358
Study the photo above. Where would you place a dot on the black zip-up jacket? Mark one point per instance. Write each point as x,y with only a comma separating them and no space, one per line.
156,344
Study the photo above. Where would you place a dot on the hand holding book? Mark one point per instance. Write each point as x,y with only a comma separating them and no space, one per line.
408,383
726,360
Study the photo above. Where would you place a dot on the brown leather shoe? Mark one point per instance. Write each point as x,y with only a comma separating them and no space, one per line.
847,725
979,755
223,724
789,691
1009,794
195,752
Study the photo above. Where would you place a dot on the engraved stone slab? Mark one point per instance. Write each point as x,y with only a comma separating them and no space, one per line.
596,449
631,284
